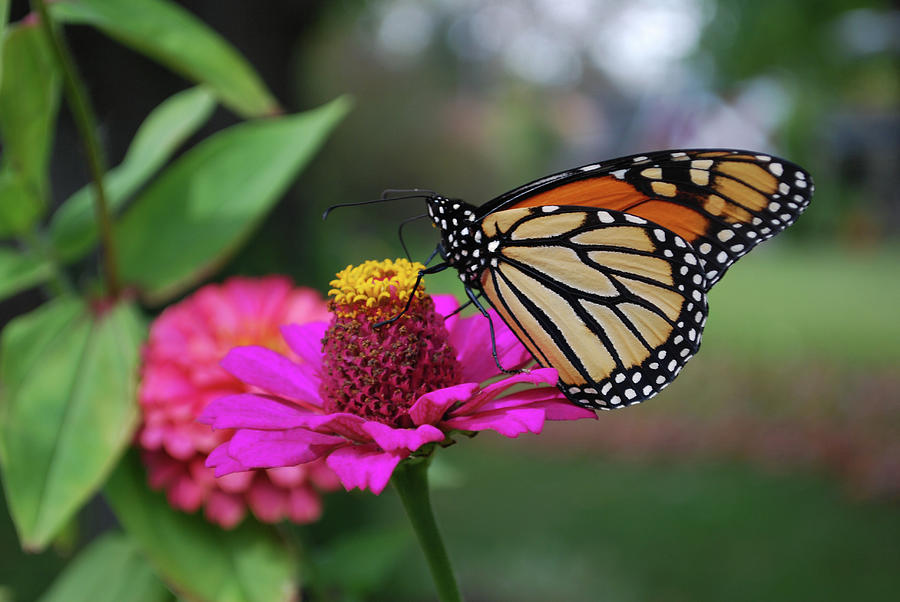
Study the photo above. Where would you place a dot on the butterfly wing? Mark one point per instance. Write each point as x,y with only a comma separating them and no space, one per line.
723,202
614,302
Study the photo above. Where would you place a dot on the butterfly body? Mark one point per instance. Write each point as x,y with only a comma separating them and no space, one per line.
602,271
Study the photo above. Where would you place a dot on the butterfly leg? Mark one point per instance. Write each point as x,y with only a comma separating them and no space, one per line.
473,299
400,232
422,273
461,307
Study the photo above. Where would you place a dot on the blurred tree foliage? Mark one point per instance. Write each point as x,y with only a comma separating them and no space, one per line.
469,128
839,61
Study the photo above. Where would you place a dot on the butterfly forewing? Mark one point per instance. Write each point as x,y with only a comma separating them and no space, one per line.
614,303
723,202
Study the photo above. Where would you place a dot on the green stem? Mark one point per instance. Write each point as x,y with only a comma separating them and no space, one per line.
76,97
411,481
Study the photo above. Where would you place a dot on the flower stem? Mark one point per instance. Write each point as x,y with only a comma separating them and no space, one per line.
411,481
86,123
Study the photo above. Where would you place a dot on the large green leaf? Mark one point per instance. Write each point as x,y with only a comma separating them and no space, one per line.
4,19
359,563
69,409
73,229
29,99
197,212
171,35
20,208
19,272
197,558
111,569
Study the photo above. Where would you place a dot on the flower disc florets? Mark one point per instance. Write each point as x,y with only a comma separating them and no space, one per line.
379,371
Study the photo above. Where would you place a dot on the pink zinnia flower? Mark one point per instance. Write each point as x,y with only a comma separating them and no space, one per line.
181,375
369,397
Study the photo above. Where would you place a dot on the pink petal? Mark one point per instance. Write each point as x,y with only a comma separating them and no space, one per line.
225,509
287,476
322,476
364,466
306,305
185,494
223,463
179,444
306,341
267,502
339,423
252,411
471,337
565,410
444,305
268,449
431,407
394,439
510,423
304,505
236,482
271,372
539,376
549,399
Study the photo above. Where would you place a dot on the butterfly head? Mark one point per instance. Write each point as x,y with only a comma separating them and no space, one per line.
461,238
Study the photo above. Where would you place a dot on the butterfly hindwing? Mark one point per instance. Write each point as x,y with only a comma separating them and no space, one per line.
723,202
614,302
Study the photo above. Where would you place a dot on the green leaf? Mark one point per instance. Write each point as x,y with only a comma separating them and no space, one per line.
19,272
197,558
201,208
29,100
73,229
359,563
111,569
69,409
174,37
19,207
4,19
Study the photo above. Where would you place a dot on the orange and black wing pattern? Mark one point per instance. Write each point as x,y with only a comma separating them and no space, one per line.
615,303
722,202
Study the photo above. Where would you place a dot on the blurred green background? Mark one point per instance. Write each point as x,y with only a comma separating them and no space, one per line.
771,468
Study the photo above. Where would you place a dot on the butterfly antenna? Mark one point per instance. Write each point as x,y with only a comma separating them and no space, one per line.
408,191
400,232
374,201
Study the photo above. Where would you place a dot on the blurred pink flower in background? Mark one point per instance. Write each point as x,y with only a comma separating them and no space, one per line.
365,398
181,375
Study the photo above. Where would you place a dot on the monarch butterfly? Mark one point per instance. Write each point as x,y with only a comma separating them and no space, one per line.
602,271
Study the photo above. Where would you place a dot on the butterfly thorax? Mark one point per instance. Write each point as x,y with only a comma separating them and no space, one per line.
463,244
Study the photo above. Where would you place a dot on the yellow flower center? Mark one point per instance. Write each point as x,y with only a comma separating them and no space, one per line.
375,286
